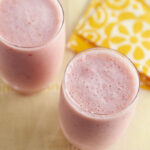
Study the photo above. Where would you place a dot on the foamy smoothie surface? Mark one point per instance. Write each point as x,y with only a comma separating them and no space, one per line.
29,23
101,81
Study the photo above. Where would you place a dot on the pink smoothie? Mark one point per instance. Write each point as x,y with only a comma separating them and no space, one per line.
97,98
32,42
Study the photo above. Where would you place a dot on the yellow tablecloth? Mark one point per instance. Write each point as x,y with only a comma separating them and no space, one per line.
31,122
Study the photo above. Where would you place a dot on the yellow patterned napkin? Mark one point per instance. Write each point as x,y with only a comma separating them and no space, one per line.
123,25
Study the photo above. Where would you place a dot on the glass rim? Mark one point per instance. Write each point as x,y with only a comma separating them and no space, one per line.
88,114
17,47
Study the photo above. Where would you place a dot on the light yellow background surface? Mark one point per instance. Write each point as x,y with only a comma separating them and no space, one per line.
31,122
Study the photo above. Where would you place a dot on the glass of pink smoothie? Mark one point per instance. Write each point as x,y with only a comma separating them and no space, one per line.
98,98
32,43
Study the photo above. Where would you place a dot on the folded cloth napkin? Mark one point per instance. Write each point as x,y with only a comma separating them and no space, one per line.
123,25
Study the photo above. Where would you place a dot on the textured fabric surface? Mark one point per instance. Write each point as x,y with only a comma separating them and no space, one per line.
123,25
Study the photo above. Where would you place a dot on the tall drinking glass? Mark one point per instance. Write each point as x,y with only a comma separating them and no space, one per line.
32,43
98,98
